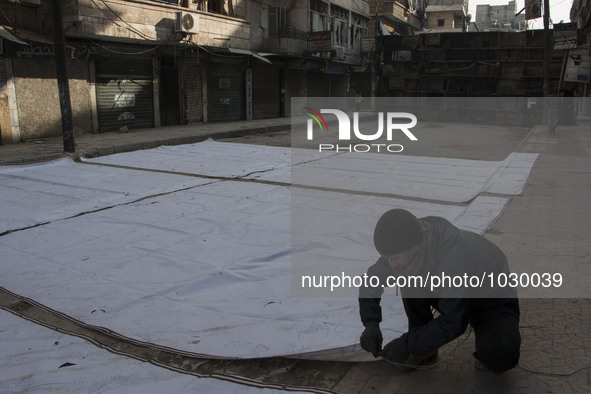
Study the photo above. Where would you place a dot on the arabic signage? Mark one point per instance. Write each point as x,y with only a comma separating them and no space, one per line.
565,35
320,41
578,68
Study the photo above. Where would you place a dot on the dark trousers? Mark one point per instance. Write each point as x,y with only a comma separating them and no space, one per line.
496,330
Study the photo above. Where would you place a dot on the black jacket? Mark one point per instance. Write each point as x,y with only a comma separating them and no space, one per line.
444,249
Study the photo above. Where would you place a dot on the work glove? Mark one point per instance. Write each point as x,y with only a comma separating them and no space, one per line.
371,339
396,351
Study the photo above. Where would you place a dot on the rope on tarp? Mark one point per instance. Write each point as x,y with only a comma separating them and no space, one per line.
27,308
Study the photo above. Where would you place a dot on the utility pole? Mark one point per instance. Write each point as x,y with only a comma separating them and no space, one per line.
546,87
375,68
63,86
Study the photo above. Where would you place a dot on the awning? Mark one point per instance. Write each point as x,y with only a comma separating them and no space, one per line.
33,36
250,53
20,35
7,34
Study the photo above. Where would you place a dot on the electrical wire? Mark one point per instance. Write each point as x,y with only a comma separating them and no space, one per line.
560,2
216,54
128,26
7,18
124,53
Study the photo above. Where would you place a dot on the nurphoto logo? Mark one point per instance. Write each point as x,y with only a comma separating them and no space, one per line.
348,130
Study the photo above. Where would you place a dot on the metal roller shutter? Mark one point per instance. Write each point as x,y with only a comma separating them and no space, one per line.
124,102
266,91
224,92
317,85
124,93
338,85
295,86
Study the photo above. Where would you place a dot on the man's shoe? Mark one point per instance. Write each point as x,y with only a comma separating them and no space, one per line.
417,360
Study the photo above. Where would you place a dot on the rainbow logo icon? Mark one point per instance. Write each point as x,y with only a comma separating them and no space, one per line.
317,117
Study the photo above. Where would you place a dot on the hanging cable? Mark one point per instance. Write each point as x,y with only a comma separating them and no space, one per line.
128,26
124,53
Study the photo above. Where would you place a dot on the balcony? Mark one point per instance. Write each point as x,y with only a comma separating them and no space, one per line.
397,13
286,41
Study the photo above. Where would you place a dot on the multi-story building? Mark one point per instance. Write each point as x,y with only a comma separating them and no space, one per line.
151,63
580,13
471,64
404,17
498,17
447,15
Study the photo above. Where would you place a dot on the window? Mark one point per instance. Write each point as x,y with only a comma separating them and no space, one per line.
277,20
224,7
440,22
319,6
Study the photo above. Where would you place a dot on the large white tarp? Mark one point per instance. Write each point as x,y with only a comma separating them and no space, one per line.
40,193
205,269
36,359
442,179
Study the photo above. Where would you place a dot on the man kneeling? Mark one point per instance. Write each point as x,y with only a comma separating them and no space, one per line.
433,246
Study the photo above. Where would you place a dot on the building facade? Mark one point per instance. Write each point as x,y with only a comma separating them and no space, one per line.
472,64
499,17
447,15
400,17
141,63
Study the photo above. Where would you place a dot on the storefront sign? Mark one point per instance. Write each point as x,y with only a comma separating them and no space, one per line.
320,41
565,35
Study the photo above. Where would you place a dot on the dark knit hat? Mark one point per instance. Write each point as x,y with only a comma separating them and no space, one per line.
397,231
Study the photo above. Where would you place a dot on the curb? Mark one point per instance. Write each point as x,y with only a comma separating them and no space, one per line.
97,151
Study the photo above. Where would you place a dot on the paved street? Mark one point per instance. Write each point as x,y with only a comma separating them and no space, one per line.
545,229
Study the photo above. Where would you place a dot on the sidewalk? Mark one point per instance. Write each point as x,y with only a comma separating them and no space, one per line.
545,229
93,145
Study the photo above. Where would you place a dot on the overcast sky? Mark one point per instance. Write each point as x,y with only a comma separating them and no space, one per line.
559,10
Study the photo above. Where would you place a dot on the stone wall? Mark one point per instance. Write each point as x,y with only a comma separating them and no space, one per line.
144,20
39,113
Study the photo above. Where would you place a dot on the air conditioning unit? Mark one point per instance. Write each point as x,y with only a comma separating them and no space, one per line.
187,22
337,53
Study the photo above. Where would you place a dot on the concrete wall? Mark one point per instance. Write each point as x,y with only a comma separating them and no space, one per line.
433,17
39,113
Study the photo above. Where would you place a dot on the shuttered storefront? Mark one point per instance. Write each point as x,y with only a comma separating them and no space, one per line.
124,93
338,86
225,92
318,85
266,91
295,86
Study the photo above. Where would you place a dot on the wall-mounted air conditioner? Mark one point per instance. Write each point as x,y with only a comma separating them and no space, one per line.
187,22
337,53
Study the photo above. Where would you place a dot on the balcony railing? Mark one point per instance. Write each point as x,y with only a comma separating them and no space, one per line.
170,2
288,32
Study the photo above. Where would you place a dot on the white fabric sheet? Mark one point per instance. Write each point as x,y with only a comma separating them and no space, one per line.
206,269
36,359
442,179
39,193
